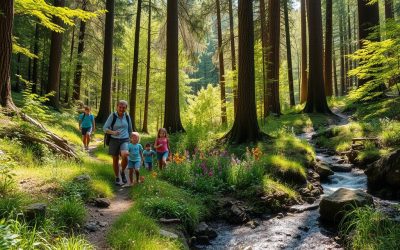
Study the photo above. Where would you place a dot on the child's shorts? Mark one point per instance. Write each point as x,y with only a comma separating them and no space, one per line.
134,164
162,155
148,165
86,131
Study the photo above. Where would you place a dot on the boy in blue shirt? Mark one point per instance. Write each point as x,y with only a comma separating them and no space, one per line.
148,154
135,158
86,126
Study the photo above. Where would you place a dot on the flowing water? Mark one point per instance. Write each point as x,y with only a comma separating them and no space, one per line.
298,230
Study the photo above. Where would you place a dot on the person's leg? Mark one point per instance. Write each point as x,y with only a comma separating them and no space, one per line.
124,162
131,175
115,165
137,173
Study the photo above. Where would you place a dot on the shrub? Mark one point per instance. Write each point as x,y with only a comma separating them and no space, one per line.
73,243
370,229
390,135
170,208
10,205
69,212
287,169
79,190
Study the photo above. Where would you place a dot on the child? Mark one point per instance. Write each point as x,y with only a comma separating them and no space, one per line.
162,146
148,157
86,126
135,158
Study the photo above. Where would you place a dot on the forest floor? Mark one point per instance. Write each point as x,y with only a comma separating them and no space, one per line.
204,182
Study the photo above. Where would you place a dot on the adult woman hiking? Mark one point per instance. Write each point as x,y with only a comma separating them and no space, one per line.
119,126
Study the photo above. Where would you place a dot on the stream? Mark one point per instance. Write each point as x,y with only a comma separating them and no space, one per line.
300,230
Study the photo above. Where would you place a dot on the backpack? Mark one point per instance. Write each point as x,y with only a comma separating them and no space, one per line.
107,137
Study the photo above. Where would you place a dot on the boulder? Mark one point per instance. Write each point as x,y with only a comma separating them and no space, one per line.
384,176
342,167
234,212
102,202
34,212
323,170
204,230
333,207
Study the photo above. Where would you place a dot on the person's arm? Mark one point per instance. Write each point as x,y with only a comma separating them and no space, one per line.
156,145
107,125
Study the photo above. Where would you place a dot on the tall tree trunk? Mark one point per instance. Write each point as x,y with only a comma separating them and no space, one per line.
132,109
304,73
71,55
349,43
316,100
42,68
342,59
6,26
221,66
245,127
114,82
289,54
76,95
264,44
368,17
105,101
35,60
274,30
53,84
233,54
389,13
146,97
334,69
328,49
172,117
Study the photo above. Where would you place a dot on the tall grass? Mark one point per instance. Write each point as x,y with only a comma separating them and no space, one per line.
367,228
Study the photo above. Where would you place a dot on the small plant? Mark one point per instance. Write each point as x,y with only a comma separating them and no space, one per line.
77,190
69,213
34,104
370,229
6,179
8,239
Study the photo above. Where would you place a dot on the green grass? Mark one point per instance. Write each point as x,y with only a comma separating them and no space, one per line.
368,228
288,170
154,199
69,213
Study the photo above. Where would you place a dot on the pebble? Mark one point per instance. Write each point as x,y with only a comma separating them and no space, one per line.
280,216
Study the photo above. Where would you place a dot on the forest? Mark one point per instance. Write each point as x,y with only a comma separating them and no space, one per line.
266,124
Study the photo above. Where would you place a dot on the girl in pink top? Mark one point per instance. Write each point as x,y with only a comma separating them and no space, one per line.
162,147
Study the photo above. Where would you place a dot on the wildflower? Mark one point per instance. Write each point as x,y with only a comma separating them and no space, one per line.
154,174
256,152
210,173
141,179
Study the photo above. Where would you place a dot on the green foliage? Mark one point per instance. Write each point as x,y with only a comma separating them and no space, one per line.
69,213
7,238
73,243
135,230
10,205
370,229
390,135
378,64
6,178
78,190
34,104
169,208
288,170
45,12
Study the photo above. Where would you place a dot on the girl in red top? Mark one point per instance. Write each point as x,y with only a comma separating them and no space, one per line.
162,147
